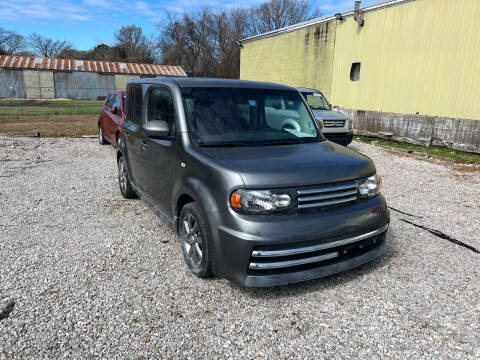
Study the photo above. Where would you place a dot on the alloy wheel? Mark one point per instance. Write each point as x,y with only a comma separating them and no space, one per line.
122,175
191,240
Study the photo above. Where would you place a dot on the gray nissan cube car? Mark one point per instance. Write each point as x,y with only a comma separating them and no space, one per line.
337,127
241,172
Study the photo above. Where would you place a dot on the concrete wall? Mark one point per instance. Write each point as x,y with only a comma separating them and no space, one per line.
420,57
39,84
11,84
299,58
460,134
121,81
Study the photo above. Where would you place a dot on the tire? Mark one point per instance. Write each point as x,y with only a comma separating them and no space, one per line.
123,180
195,240
101,138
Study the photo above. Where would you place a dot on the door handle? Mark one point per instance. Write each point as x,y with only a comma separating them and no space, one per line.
144,145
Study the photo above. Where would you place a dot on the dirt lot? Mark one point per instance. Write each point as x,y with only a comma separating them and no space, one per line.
90,274
49,125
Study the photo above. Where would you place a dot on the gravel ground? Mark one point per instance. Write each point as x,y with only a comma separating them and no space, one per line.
93,275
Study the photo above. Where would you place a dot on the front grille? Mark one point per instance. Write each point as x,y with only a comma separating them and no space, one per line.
327,196
334,123
267,260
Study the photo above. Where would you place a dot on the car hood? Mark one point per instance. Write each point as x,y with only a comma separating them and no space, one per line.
329,115
293,165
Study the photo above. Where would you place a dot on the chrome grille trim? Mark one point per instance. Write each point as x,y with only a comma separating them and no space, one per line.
327,189
307,249
326,195
326,203
334,123
289,263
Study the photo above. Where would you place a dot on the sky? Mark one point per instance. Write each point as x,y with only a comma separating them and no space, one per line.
86,23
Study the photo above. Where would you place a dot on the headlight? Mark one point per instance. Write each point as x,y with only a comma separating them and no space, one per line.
350,124
260,201
369,187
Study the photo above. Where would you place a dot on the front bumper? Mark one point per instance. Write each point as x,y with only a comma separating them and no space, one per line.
342,138
254,250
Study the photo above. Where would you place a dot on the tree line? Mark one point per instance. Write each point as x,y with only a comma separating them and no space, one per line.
203,42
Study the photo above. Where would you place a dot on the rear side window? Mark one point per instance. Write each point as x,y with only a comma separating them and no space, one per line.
135,105
160,107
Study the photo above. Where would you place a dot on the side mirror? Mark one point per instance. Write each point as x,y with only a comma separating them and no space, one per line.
335,108
156,128
320,124
114,110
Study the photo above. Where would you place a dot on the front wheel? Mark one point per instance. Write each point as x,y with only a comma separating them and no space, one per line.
101,138
195,240
123,180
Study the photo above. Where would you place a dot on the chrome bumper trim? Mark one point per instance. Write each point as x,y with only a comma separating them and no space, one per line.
307,249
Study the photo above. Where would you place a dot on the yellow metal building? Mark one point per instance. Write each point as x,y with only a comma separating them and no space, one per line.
415,57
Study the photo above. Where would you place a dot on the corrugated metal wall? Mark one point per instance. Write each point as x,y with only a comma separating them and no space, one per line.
11,84
299,58
82,85
419,57
39,84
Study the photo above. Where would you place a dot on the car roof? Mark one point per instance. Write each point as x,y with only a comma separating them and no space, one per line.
183,81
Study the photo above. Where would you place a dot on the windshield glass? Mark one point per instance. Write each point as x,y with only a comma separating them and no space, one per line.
247,117
316,101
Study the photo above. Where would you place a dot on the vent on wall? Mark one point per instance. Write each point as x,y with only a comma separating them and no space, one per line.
78,62
123,66
38,60
355,72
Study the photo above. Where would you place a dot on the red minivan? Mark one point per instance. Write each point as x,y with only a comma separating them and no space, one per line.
110,121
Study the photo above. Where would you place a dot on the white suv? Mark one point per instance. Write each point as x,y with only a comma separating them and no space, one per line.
337,126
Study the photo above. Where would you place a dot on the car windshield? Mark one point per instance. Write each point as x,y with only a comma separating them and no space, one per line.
316,101
247,117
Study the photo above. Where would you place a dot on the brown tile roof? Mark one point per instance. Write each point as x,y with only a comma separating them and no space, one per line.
31,62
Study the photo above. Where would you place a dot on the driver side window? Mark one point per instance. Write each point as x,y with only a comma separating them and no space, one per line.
160,107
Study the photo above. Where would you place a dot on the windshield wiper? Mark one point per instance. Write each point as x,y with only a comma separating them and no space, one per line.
225,144
279,142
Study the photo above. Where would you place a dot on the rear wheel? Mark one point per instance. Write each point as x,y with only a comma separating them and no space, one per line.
101,138
195,240
124,182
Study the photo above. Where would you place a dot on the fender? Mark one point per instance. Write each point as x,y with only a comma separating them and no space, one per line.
122,151
198,191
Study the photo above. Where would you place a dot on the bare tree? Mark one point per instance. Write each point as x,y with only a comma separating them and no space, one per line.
276,14
132,45
10,42
205,42
46,47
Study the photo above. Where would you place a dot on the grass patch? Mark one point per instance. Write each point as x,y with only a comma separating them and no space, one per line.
49,107
457,155
51,125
